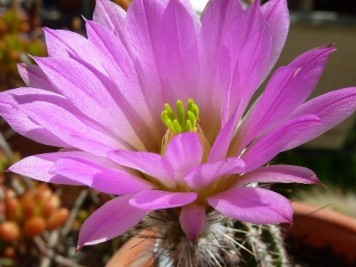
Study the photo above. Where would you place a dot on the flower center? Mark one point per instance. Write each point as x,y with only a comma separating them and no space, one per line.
183,120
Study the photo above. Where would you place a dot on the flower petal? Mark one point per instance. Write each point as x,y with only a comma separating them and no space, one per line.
253,60
253,205
222,142
176,52
91,95
207,173
149,163
70,126
217,58
332,108
79,168
39,167
192,220
33,76
279,174
124,85
184,152
264,149
100,86
142,24
11,110
63,44
111,15
54,114
155,200
110,220
218,19
248,42
287,89
276,14
99,177
234,42
122,66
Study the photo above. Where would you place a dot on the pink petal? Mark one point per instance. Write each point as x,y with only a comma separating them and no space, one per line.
267,147
225,31
253,205
110,220
217,18
155,200
122,65
176,52
216,66
39,167
11,110
250,41
149,163
253,60
225,26
184,152
91,95
110,88
71,127
222,142
111,15
99,177
332,108
63,44
124,85
279,174
143,21
33,76
192,220
220,21
276,14
207,173
286,90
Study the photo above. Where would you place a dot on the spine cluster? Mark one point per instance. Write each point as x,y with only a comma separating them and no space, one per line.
223,243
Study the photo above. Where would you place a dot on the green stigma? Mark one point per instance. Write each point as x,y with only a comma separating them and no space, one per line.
184,121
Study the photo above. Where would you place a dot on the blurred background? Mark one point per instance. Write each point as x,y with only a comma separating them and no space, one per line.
39,223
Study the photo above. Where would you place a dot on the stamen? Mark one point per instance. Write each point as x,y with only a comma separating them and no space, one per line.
185,120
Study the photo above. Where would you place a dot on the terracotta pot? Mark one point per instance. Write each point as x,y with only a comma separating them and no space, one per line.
322,226
135,253
316,226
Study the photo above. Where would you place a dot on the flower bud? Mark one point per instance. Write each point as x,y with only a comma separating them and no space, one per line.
29,209
34,226
52,204
9,231
57,218
26,197
43,193
12,209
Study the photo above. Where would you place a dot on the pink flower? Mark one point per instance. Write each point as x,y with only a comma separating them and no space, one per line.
102,99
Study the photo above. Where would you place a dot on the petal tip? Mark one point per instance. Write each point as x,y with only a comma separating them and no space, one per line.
78,248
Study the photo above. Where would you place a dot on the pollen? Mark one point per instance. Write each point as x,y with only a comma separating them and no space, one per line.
183,120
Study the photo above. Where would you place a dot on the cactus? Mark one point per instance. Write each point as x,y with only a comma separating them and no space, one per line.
223,242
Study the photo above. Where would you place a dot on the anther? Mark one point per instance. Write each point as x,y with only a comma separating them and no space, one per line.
183,120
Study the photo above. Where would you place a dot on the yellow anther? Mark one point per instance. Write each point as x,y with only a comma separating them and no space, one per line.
185,120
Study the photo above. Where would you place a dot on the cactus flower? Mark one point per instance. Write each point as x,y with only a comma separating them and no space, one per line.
153,106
